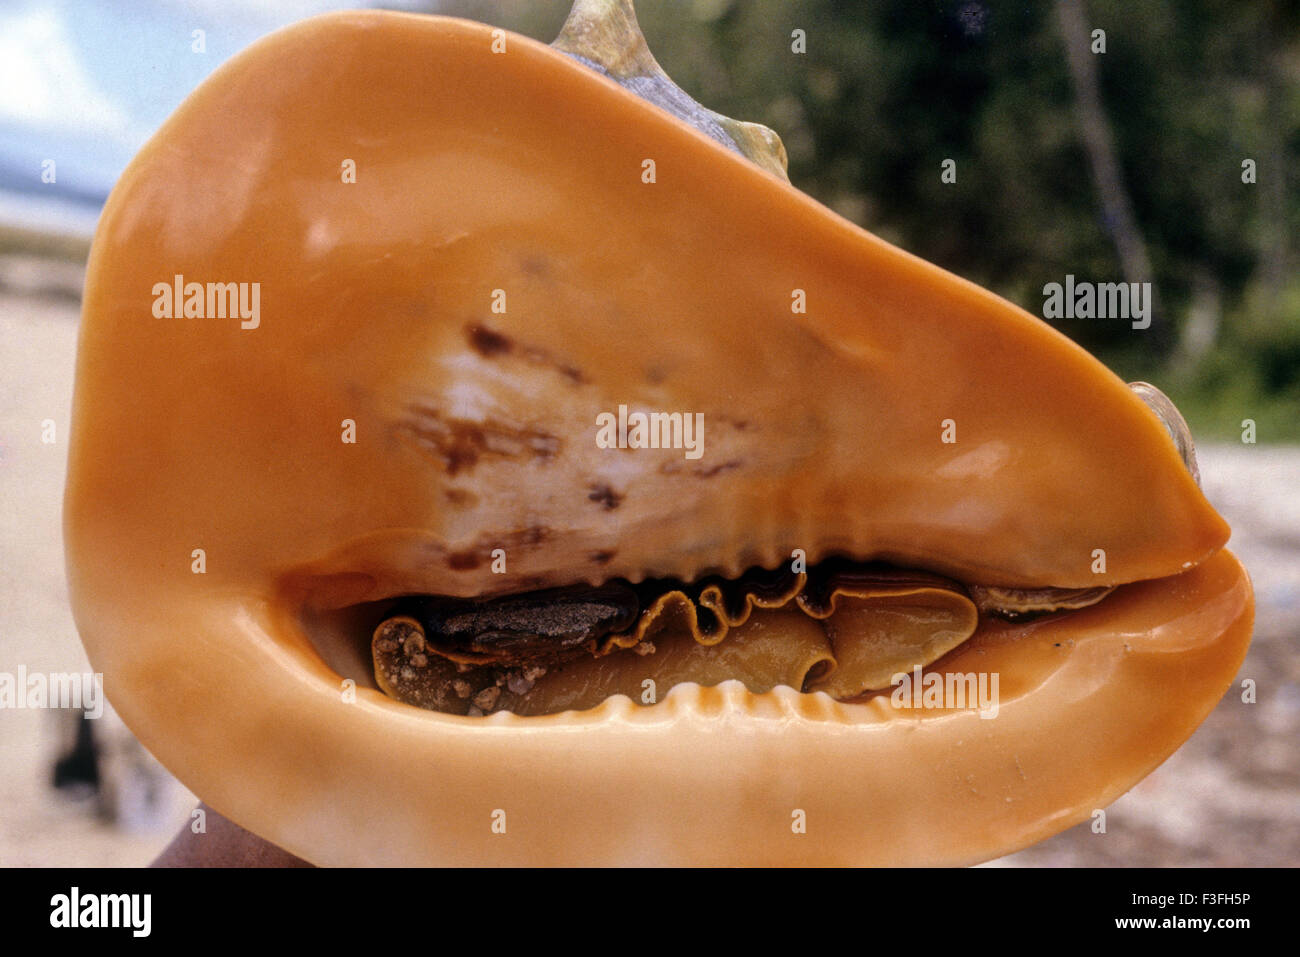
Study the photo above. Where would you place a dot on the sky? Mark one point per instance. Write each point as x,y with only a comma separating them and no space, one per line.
85,82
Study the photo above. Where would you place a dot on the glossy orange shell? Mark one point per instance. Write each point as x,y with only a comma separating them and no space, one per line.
521,171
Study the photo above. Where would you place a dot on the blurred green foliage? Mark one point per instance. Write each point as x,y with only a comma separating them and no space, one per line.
889,89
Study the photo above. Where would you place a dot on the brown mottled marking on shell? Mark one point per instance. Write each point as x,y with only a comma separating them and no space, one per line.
713,470
674,467
605,495
486,342
542,357
459,444
532,535
460,498
656,374
489,343
534,265
740,425
486,543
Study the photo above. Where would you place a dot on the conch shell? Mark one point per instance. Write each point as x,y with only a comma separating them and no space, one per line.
466,247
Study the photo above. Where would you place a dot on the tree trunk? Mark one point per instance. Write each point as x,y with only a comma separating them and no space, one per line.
1094,128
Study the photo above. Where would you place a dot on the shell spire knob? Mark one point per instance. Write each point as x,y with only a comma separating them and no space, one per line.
605,36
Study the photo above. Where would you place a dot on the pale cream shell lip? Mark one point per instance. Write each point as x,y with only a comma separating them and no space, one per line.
707,775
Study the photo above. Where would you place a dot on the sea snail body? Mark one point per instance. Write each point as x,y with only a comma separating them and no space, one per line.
345,546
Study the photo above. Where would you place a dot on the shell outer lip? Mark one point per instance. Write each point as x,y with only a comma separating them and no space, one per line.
723,736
